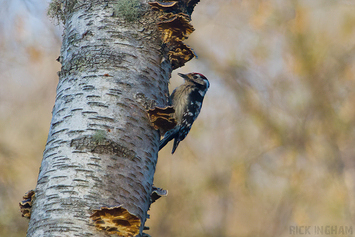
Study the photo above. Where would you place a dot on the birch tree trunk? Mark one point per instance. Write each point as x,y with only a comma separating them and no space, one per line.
101,151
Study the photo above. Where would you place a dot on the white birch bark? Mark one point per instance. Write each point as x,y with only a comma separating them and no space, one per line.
101,149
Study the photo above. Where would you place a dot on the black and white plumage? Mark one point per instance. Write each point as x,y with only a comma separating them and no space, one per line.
187,101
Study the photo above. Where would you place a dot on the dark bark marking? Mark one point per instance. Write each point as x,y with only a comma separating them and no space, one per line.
89,112
96,103
59,131
108,147
77,109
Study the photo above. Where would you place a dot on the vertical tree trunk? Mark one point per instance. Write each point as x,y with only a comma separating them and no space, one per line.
101,149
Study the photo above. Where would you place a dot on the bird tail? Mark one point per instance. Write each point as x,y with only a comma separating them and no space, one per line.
176,143
169,135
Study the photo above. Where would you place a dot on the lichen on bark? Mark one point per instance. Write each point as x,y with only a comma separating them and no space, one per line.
130,10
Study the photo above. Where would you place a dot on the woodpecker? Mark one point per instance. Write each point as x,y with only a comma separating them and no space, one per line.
187,101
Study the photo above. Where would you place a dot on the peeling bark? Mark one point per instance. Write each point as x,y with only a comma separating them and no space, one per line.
101,150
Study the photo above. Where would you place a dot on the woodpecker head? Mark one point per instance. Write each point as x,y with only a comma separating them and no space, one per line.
196,78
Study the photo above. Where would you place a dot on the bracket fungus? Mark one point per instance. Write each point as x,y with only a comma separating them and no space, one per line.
157,193
175,27
116,220
181,55
26,204
165,6
162,119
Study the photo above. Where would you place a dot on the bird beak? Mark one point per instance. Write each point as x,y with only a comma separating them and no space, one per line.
183,76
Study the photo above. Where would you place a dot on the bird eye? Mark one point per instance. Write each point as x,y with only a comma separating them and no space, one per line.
195,77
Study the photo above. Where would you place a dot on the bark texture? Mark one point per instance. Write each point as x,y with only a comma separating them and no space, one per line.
96,177
101,149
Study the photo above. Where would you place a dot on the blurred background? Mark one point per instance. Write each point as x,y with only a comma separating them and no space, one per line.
274,145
